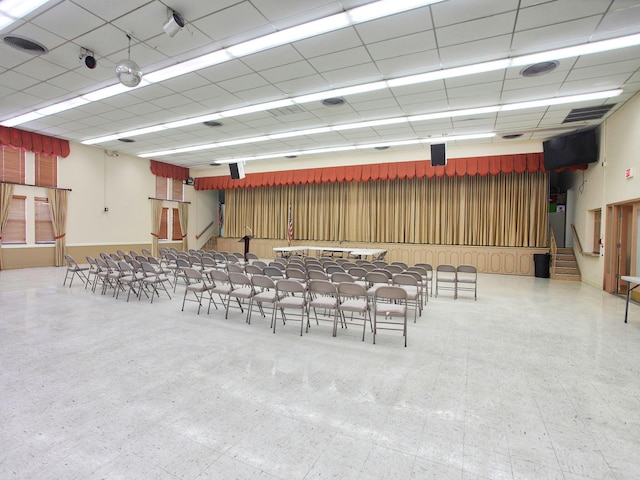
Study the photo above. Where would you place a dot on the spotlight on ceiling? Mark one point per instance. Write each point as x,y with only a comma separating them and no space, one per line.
174,24
128,71
86,57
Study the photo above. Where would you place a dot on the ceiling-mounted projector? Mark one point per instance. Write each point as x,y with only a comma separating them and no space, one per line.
174,24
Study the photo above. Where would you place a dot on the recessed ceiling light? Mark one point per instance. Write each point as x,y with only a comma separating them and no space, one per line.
126,140
25,45
333,101
510,136
538,69
212,123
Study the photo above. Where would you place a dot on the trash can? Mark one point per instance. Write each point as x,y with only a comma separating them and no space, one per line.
541,262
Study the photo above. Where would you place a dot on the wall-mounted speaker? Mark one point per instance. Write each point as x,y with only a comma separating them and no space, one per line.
189,181
237,171
438,154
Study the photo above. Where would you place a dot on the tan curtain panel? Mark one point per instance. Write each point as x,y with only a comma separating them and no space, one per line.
183,213
156,219
6,194
58,201
507,210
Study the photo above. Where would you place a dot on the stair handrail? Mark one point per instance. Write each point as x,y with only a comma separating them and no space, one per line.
554,250
576,239
205,229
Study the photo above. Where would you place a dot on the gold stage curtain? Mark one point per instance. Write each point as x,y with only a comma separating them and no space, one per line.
501,210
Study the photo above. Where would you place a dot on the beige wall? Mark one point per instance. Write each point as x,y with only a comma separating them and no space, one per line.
604,183
123,184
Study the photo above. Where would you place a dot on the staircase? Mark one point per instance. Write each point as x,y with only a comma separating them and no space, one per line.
564,265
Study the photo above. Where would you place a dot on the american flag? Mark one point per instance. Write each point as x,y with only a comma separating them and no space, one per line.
290,227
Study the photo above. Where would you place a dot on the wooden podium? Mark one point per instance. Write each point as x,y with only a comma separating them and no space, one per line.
246,239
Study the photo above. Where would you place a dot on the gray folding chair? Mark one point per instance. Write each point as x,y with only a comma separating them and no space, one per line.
198,286
290,295
390,310
446,279
323,295
467,279
353,299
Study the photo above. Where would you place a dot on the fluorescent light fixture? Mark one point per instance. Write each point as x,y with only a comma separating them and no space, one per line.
27,117
576,51
243,141
561,100
257,108
454,113
13,10
208,60
289,35
385,8
299,133
191,121
372,123
62,106
110,91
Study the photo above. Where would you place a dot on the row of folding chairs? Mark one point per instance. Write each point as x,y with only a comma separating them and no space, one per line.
456,279
347,302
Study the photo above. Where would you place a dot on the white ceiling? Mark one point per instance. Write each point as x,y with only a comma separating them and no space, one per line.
445,35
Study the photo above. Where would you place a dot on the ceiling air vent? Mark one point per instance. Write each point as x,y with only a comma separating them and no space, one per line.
290,110
25,45
588,113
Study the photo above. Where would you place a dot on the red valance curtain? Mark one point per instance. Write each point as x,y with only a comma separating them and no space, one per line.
456,167
170,171
33,142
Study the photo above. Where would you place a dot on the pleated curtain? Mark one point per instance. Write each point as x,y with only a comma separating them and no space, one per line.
6,194
58,201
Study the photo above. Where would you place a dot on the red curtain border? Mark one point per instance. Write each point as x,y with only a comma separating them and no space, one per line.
167,170
483,166
34,142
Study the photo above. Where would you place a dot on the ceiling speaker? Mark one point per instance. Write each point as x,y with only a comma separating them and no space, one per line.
438,154
237,171
174,24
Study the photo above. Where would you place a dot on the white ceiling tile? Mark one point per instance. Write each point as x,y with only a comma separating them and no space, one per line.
288,72
475,30
348,76
558,12
245,82
109,11
408,44
232,22
40,68
68,20
329,43
399,25
480,51
404,65
554,36
450,13
274,57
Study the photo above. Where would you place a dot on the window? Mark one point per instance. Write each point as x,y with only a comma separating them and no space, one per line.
161,187
597,221
176,232
44,222
163,235
12,165
177,189
46,170
15,231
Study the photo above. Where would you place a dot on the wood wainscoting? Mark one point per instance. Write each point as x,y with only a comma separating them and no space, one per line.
500,260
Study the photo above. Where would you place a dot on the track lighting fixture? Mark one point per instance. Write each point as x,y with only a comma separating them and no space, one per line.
174,24
86,57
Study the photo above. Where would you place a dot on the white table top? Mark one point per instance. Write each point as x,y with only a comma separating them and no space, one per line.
631,279
351,251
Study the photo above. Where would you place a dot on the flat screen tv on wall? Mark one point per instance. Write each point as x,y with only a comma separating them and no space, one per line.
571,150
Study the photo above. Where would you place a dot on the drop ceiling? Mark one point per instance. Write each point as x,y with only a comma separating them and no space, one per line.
445,35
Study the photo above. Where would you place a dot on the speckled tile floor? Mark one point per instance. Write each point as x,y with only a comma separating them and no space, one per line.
537,379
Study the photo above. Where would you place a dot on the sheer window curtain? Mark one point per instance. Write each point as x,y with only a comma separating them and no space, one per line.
6,193
156,220
503,210
183,212
58,202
